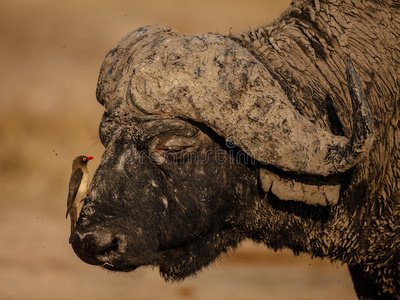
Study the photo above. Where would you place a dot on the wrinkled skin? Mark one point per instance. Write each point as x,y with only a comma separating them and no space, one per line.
178,200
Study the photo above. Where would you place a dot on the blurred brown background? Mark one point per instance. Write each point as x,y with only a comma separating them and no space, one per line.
50,55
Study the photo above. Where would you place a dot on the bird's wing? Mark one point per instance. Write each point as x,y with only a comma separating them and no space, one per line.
74,183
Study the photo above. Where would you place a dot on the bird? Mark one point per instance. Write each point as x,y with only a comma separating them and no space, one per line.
78,189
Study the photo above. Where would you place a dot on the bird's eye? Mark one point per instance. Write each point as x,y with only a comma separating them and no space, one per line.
84,159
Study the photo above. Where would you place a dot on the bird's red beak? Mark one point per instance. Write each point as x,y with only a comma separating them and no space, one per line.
90,157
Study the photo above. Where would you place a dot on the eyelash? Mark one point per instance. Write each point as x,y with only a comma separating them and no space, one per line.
172,149
172,155
167,151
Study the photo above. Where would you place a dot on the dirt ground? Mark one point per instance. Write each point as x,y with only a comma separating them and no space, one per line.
50,55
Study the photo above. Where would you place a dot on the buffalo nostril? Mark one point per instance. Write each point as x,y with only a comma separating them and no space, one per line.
108,250
113,246
98,248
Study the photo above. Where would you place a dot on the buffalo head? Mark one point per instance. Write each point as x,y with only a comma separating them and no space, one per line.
197,134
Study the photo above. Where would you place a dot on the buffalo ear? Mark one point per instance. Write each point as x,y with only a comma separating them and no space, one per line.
325,194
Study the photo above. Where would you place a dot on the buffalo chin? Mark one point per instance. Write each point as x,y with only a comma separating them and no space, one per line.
178,263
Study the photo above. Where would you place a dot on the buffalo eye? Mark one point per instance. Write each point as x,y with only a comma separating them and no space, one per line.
172,154
174,150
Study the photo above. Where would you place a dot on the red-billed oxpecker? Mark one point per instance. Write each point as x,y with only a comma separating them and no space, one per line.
78,188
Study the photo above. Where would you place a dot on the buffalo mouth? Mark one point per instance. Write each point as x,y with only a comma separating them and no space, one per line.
119,268
177,263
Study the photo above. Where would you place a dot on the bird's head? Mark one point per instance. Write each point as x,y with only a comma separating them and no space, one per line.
81,160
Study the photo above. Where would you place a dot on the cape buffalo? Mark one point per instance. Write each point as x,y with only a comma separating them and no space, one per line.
265,135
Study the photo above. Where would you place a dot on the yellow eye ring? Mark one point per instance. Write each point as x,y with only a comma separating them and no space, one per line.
84,159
